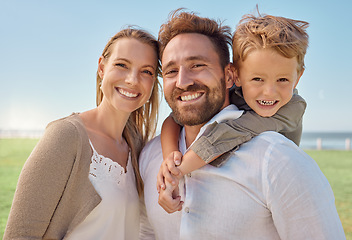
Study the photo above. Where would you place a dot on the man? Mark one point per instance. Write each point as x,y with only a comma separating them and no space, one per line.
268,189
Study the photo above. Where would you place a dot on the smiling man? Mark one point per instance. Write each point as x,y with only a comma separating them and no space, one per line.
268,189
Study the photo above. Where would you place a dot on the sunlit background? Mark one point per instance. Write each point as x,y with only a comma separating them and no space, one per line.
50,49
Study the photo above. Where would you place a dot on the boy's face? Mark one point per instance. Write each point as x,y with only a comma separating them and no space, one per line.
267,80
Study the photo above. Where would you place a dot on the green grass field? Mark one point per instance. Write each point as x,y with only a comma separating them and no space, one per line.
336,165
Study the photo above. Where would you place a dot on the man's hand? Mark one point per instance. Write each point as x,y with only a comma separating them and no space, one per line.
168,170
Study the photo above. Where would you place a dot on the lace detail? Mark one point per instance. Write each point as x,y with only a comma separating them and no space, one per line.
105,169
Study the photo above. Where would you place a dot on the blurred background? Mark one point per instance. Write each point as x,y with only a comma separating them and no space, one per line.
50,49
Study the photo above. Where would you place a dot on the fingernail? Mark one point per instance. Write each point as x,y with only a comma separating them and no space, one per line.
177,162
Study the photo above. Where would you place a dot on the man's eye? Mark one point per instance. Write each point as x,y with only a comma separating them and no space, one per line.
198,65
170,72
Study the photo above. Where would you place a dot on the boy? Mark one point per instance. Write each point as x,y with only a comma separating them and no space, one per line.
268,61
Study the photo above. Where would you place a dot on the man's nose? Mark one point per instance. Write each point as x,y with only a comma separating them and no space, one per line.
183,78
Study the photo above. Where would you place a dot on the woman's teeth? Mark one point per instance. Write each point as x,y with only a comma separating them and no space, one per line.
127,94
266,103
190,97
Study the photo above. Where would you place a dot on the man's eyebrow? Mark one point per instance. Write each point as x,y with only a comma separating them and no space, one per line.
169,64
198,57
191,58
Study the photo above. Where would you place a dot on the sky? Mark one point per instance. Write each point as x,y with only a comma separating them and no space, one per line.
49,53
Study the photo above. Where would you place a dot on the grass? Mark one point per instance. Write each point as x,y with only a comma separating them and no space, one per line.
13,154
336,165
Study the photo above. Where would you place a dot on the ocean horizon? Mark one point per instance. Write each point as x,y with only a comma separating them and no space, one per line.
310,140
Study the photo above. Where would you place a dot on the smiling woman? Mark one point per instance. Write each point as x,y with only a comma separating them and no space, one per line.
82,180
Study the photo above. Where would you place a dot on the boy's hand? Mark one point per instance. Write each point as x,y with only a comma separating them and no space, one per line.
169,171
169,198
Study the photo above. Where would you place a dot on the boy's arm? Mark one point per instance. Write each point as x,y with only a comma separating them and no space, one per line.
228,135
170,132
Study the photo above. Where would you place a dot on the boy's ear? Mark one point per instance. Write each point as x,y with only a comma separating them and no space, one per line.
101,67
229,76
299,77
236,78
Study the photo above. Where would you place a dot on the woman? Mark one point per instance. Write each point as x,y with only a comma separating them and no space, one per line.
80,180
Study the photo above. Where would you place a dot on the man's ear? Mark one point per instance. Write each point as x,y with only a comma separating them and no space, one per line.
101,67
299,75
229,76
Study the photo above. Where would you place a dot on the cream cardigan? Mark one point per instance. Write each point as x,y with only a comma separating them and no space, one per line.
54,193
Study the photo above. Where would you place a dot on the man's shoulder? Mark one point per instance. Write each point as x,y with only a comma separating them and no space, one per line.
151,153
272,137
152,145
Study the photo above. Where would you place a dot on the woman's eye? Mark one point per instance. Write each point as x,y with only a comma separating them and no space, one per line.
120,65
148,72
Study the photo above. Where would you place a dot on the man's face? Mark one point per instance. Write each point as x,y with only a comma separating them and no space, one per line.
194,81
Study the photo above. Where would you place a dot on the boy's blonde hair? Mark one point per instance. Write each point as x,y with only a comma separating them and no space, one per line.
286,36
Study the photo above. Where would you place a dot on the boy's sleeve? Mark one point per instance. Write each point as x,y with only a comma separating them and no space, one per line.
228,135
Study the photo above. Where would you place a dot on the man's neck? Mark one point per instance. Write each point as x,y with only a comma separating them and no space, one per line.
191,133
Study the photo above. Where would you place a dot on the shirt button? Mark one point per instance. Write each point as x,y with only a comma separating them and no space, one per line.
187,210
189,175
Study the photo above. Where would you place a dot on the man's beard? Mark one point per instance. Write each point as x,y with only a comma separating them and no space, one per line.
196,114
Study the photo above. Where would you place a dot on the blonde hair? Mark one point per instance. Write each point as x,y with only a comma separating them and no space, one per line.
286,36
141,124
188,22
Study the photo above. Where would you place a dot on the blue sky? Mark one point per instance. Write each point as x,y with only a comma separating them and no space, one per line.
50,49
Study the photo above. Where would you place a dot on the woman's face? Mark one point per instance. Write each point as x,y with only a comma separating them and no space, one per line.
128,74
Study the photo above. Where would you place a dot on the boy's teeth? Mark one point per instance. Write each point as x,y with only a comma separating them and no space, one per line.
267,103
127,94
190,97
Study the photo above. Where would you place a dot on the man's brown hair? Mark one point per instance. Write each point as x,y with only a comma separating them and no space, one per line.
188,22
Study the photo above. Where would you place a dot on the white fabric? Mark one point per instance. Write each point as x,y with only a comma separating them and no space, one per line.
117,215
268,189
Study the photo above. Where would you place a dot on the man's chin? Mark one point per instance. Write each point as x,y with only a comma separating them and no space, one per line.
189,118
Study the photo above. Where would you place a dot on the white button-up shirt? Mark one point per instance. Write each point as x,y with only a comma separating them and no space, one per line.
267,189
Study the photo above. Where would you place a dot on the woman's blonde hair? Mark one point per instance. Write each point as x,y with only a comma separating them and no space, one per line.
286,36
141,124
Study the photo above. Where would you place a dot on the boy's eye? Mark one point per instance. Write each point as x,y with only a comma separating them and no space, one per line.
257,79
283,80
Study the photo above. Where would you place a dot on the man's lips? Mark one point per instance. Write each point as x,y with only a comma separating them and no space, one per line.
190,96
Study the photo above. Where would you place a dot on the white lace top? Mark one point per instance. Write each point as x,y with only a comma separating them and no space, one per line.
117,215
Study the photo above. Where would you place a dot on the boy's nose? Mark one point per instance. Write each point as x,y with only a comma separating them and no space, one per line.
183,79
269,89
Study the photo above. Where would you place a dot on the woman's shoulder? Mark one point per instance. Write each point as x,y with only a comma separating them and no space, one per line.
66,124
69,128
